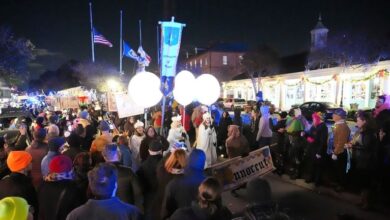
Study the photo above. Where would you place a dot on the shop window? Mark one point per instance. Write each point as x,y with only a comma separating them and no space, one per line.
224,60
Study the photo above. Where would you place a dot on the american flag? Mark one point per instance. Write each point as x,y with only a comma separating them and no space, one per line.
98,38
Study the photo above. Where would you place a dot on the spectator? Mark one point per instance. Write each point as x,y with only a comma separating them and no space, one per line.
82,163
317,139
90,129
38,149
123,144
264,135
222,134
129,126
151,135
237,120
181,191
236,144
74,145
207,139
157,117
341,135
18,142
15,208
135,143
59,194
54,145
364,149
382,110
177,134
208,206
147,176
260,205
280,151
18,183
52,128
104,205
128,189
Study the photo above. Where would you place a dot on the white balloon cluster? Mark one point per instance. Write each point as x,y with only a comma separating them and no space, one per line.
144,89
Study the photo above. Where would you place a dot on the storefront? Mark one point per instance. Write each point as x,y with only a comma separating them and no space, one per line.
353,87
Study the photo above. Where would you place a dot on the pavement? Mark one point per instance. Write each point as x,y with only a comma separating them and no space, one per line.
303,201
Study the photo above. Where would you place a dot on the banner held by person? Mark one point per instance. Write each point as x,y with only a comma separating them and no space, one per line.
126,106
239,170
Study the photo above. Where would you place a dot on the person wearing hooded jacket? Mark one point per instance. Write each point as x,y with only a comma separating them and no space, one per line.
180,192
207,140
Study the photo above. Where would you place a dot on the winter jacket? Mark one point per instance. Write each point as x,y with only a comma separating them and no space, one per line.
194,212
341,135
264,128
129,189
237,147
320,135
364,151
17,184
112,209
57,199
223,130
144,147
38,151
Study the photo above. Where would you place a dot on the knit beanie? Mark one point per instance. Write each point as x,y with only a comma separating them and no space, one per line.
60,164
55,143
83,114
103,179
18,160
258,191
13,208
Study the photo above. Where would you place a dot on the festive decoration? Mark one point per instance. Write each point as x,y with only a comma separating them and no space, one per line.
144,89
184,87
208,89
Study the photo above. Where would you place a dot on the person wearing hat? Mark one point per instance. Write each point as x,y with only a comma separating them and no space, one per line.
52,128
135,143
317,139
104,204
129,189
18,142
341,135
18,183
177,134
54,145
38,150
148,177
104,128
59,194
151,135
15,208
207,139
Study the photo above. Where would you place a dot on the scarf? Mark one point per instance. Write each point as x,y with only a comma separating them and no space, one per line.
53,177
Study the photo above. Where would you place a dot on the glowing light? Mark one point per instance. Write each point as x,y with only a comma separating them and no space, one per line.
144,89
208,89
184,87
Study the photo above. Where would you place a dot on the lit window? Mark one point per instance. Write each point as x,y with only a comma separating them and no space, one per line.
224,60
200,63
205,61
191,64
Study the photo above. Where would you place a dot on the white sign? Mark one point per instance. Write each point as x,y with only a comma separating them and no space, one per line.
239,170
126,106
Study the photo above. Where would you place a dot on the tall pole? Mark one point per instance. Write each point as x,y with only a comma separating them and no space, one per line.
158,47
92,43
140,32
120,45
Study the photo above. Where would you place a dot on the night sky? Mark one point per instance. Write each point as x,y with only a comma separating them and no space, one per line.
60,29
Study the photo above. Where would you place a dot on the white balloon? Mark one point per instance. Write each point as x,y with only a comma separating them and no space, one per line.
208,89
144,89
184,87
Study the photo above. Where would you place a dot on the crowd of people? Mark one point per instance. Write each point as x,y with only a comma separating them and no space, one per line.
89,165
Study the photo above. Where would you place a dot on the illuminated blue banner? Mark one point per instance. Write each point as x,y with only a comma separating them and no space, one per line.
170,46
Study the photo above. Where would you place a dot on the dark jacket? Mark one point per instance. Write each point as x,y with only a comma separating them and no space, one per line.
223,130
181,191
111,209
147,174
320,136
194,212
72,152
144,147
58,199
364,153
129,189
38,151
17,184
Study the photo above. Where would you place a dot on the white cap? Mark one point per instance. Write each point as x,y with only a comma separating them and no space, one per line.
138,124
176,118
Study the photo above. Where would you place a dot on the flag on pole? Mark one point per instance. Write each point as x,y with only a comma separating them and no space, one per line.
145,58
129,52
98,38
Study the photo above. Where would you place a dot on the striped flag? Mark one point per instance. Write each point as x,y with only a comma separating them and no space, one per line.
98,38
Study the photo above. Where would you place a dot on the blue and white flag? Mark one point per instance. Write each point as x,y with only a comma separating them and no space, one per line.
129,52
145,58
170,46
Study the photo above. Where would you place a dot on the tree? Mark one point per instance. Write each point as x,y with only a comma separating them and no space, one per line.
260,62
15,54
347,49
